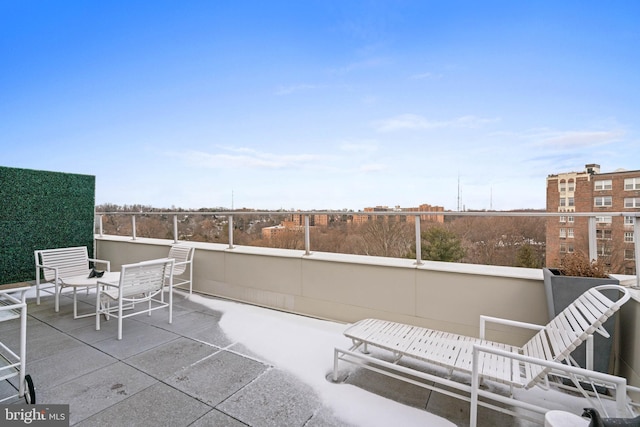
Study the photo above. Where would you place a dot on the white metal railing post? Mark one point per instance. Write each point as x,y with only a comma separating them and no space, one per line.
593,245
636,244
230,231
100,224
175,229
307,240
418,242
133,227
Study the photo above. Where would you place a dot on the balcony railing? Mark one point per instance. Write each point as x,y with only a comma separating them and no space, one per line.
414,217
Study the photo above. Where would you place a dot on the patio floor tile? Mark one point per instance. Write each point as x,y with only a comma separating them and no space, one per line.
90,394
158,405
216,378
172,357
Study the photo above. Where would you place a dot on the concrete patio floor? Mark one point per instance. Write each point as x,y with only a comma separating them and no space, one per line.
188,373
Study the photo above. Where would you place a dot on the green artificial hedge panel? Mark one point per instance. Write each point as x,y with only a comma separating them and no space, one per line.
42,210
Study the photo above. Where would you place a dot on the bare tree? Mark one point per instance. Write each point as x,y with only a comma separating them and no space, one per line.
388,238
497,240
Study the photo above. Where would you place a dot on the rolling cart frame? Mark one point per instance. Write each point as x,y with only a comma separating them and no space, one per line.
13,365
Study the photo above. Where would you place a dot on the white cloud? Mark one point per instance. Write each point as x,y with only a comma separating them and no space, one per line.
576,139
288,90
360,65
370,100
373,167
248,159
426,76
417,122
359,147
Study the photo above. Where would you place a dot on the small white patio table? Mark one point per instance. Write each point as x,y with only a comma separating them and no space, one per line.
86,282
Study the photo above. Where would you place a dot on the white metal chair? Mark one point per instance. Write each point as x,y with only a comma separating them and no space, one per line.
547,353
183,256
141,282
59,265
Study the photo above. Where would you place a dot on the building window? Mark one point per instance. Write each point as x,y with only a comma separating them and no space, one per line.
603,234
563,248
571,185
632,202
628,236
570,218
562,187
571,201
632,184
570,248
563,218
603,219
563,201
604,250
570,233
629,220
563,233
603,185
603,201
629,254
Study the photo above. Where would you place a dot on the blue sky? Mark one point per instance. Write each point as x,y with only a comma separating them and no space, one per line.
320,104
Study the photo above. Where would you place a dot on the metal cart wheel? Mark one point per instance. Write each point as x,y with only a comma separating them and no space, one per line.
29,390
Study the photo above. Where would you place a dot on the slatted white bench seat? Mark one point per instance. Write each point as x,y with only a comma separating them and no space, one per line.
517,367
55,266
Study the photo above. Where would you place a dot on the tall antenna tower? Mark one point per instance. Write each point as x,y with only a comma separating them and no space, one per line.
491,199
458,192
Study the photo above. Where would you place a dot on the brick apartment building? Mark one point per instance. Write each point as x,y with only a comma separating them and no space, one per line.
314,220
295,222
365,217
593,191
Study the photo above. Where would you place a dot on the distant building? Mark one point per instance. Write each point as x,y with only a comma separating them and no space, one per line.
362,218
593,191
426,217
295,223
271,232
314,220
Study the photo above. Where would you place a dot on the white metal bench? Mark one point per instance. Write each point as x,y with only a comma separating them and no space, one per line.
61,264
517,367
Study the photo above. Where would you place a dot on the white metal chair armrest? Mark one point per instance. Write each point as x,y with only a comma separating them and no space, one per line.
113,284
489,319
46,267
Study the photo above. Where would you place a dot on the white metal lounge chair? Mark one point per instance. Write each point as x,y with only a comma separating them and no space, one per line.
141,282
183,256
522,367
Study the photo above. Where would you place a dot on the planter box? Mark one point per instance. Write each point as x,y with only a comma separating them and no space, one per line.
563,290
